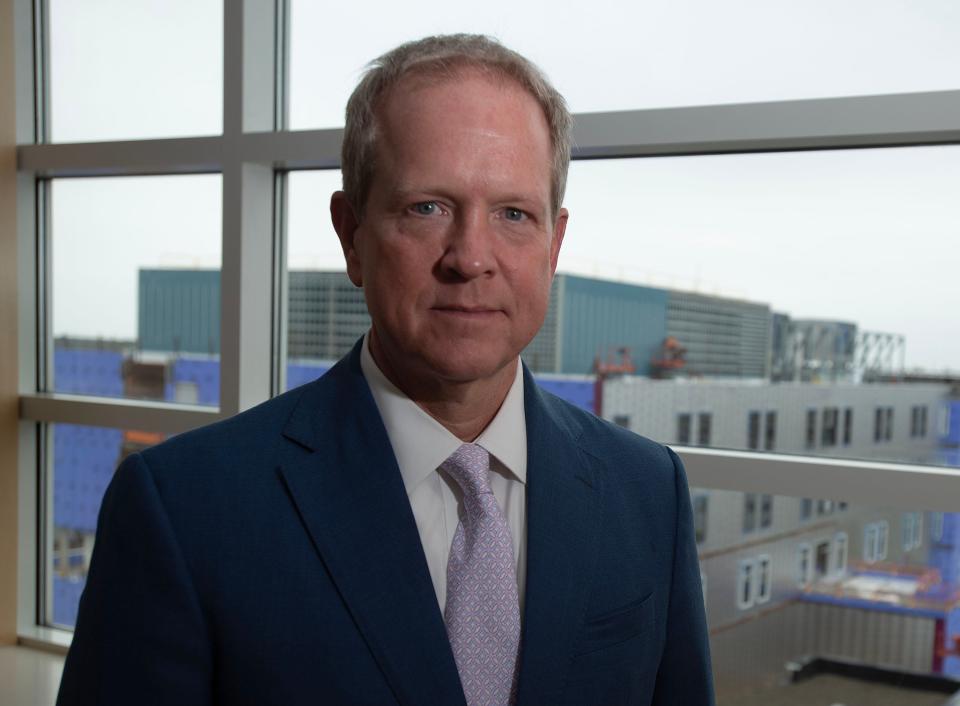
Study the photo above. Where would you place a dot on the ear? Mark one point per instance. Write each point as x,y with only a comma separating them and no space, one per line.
559,228
346,224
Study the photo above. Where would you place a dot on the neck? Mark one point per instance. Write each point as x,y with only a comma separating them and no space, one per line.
464,408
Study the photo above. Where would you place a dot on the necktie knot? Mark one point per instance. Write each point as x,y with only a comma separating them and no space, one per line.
469,466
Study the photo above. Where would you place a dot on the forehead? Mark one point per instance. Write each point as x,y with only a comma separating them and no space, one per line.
470,116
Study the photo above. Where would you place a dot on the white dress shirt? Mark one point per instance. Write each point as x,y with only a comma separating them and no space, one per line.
420,444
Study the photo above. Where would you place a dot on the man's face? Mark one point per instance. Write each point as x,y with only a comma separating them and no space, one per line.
457,246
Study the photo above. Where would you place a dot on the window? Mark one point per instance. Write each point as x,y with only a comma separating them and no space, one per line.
875,541
847,426
136,323
936,526
766,511
918,422
822,559
824,507
870,533
700,517
753,430
622,420
839,553
804,565
764,578
121,85
749,512
745,584
828,436
683,428
882,538
912,526
770,433
693,175
811,434
878,424
704,422
888,424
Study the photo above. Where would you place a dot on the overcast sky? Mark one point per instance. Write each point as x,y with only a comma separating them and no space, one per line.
868,236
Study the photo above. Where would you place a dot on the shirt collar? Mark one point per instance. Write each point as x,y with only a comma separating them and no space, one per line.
420,443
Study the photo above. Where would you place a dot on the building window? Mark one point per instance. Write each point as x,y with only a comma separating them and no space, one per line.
764,578
840,553
828,435
766,511
824,507
700,517
822,559
875,537
770,432
811,435
888,424
683,428
804,565
878,424
936,526
918,422
806,508
704,424
753,430
745,580
749,512
622,420
847,426
912,530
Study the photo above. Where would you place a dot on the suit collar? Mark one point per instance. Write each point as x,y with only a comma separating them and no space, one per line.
347,490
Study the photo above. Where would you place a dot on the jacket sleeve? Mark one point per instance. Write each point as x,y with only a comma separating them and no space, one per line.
685,677
140,636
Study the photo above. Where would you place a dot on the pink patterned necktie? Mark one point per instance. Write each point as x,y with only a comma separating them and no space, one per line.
483,610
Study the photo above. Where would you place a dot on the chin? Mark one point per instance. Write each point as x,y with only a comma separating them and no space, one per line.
456,367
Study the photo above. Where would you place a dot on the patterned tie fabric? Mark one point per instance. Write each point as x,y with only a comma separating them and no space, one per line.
483,610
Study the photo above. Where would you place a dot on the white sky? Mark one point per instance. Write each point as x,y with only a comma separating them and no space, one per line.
867,235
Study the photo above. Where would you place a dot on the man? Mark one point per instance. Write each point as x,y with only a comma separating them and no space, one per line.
422,525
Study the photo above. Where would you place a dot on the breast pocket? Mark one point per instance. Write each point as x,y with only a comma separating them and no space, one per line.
616,626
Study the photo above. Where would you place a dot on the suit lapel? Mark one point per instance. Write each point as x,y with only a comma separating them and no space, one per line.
351,499
563,512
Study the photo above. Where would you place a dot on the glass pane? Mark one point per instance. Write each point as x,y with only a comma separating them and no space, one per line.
83,461
326,314
618,56
809,612
752,292
127,70
136,280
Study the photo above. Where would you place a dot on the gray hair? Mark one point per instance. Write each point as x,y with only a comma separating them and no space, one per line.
445,56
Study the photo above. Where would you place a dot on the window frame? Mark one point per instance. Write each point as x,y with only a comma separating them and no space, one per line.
253,154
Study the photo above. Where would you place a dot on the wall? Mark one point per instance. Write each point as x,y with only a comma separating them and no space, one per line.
8,327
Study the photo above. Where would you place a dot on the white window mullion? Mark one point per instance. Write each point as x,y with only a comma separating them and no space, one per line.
247,278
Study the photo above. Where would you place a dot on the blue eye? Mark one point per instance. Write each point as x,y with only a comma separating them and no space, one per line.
513,214
425,208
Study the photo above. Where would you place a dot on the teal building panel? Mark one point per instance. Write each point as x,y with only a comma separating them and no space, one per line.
598,317
179,311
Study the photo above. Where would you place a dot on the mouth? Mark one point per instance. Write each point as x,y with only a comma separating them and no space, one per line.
467,312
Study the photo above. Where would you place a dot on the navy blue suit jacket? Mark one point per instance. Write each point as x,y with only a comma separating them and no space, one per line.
273,558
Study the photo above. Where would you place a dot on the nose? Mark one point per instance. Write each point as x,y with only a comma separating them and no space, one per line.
470,249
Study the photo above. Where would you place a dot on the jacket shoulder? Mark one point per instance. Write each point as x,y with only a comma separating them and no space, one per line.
618,448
